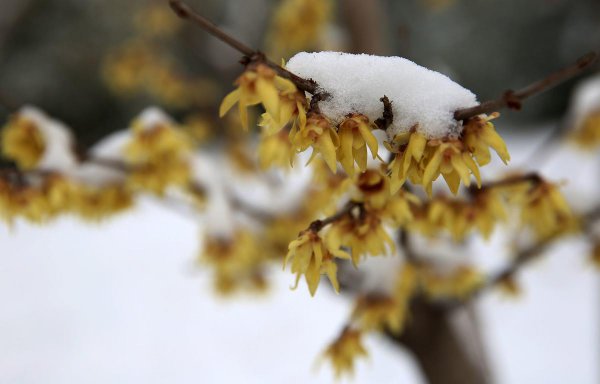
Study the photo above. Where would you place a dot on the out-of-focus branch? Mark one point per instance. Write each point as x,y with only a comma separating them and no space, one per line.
514,99
526,255
317,225
365,21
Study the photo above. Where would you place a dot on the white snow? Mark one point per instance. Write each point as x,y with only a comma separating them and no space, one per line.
356,84
58,155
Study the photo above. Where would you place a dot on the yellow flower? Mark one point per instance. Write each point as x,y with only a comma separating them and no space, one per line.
23,142
365,235
237,261
372,188
461,217
292,109
399,210
480,135
587,135
355,133
449,159
423,160
311,256
407,161
297,25
198,128
158,157
156,20
318,134
275,150
344,351
545,210
97,203
378,312
261,85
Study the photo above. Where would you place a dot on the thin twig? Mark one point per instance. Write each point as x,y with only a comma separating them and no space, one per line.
317,225
514,100
532,177
186,12
524,257
251,56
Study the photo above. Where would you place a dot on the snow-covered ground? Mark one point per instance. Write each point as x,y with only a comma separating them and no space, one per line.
121,302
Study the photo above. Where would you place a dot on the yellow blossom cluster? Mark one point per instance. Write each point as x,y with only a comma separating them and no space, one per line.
158,157
312,256
460,217
23,142
344,350
137,67
238,262
279,96
50,195
542,208
156,20
297,25
422,161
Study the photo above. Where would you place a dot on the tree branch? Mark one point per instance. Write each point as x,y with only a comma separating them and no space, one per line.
513,100
184,11
317,225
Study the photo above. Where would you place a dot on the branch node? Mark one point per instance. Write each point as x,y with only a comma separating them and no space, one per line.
387,119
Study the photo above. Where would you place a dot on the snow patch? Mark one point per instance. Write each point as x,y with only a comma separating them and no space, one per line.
58,154
356,84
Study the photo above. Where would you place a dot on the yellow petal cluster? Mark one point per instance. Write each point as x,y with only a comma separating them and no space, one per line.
237,261
275,151
479,135
312,257
344,351
23,142
139,67
587,135
41,200
364,235
355,133
378,312
297,25
545,210
460,217
158,157
374,190
319,134
262,85
423,160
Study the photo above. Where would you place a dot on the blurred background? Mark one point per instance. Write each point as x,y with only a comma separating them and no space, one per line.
120,301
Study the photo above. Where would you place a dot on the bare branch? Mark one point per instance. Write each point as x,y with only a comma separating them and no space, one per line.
317,225
513,100
184,11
